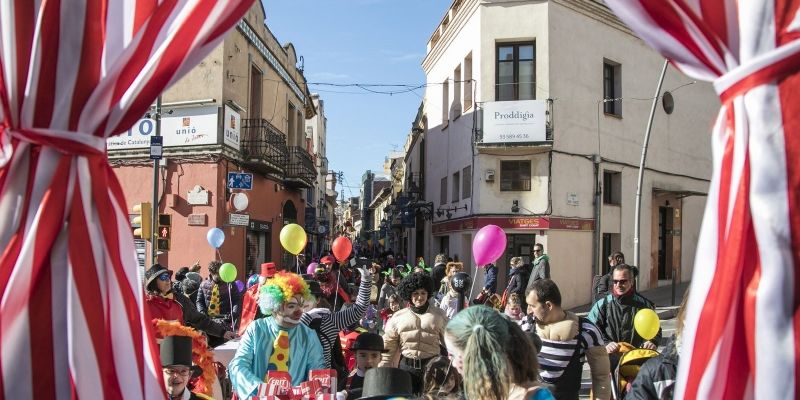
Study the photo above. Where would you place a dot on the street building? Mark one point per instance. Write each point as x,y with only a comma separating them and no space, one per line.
533,120
238,154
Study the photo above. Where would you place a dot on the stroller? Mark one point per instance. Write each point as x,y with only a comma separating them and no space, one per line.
628,367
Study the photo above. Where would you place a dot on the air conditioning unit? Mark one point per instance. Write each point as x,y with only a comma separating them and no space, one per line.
488,175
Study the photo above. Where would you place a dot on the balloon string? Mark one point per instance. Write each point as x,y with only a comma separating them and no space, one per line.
297,260
336,289
219,257
474,276
230,306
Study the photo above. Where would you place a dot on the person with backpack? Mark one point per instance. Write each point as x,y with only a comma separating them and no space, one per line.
327,323
566,341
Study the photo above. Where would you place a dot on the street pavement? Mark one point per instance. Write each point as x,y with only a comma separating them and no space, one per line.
662,297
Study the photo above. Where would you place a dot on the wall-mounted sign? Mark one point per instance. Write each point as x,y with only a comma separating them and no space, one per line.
240,180
572,199
231,125
260,226
197,219
514,121
197,196
239,219
239,201
184,127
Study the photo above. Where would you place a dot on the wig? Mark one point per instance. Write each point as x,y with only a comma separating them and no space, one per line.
283,286
413,282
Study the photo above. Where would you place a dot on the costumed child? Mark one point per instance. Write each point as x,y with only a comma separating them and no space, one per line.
514,309
393,305
368,349
277,342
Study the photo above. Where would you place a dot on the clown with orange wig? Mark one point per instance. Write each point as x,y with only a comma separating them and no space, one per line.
278,342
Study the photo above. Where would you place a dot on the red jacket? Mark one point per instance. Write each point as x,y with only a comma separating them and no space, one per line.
249,308
164,308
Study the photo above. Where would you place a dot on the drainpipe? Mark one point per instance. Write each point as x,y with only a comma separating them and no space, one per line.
597,208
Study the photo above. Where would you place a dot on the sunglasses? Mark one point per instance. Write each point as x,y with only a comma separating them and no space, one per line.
620,282
163,277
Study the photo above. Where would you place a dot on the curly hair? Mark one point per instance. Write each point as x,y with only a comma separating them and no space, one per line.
213,267
410,283
283,286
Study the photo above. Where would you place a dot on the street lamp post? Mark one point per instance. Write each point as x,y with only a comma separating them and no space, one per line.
637,215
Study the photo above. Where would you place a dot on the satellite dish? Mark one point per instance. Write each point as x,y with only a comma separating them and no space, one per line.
668,102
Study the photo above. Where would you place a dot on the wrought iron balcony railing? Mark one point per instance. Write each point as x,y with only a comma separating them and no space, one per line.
264,146
300,171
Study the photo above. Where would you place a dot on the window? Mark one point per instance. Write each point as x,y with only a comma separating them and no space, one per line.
445,102
443,191
457,91
299,130
515,175
515,72
612,87
612,187
290,136
468,82
466,184
456,186
255,92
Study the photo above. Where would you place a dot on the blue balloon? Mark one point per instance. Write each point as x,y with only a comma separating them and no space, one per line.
215,237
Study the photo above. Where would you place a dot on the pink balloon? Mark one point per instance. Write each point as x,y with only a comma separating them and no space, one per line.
488,245
311,268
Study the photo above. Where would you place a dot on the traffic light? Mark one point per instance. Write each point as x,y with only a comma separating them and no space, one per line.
164,232
142,223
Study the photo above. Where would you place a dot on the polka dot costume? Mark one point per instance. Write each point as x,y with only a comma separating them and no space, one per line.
213,304
279,360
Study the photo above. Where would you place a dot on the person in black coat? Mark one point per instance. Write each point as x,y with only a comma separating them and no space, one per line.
518,281
439,270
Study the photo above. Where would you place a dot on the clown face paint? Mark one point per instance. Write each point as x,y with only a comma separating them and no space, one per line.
291,311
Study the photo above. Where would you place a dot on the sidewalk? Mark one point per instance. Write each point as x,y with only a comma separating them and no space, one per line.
661,296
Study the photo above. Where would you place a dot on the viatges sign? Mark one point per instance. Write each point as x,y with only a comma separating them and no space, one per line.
514,121
184,127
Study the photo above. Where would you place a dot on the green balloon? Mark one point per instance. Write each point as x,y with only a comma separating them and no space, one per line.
227,272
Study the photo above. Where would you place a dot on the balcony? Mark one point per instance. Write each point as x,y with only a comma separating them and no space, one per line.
263,147
299,171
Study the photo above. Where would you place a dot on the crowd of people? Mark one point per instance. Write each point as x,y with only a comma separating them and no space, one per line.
385,327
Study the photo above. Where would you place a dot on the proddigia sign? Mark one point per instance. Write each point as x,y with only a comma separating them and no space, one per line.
514,121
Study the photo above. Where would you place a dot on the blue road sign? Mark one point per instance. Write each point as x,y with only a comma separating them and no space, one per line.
240,180
156,146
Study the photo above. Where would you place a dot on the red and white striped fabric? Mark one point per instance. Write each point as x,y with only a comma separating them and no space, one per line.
742,333
72,319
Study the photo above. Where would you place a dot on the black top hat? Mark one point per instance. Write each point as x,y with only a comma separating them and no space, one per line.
384,382
176,350
313,287
369,341
151,274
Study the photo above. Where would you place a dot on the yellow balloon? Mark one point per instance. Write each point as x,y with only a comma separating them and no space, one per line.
293,238
646,323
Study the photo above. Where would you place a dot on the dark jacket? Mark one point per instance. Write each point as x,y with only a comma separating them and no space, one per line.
204,299
539,270
437,273
490,273
656,378
196,319
614,317
516,283
601,287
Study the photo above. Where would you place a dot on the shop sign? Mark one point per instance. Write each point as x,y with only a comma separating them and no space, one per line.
260,226
232,123
184,127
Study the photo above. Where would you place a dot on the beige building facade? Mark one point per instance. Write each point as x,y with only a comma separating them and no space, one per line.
574,88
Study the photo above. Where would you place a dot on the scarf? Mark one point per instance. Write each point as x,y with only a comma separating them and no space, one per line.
419,310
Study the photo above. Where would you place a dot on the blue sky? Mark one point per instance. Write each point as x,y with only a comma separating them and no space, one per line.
360,41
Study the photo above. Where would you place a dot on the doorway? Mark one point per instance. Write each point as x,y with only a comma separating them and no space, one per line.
258,251
665,233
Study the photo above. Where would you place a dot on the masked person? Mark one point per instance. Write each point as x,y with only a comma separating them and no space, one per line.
250,299
176,361
331,282
278,342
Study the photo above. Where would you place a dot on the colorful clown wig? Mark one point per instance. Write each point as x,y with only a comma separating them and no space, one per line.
283,286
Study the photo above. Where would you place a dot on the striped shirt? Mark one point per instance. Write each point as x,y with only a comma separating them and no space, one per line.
331,323
555,356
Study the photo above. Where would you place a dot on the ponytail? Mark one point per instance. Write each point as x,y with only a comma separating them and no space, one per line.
482,335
